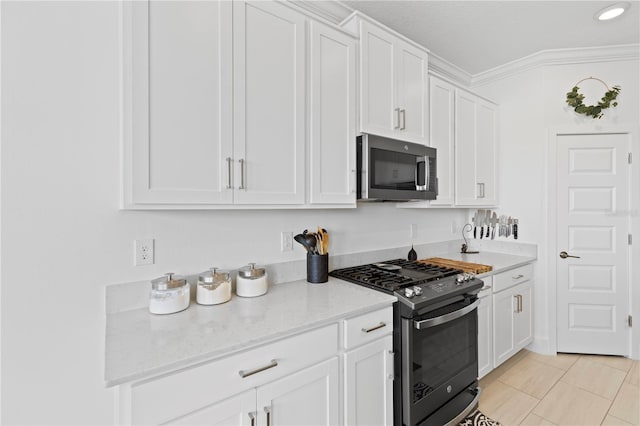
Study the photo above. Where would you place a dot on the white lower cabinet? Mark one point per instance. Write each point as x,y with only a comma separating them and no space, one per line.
485,331
313,378
512,319
369,384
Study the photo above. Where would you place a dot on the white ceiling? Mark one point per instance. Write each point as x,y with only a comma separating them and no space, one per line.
481,35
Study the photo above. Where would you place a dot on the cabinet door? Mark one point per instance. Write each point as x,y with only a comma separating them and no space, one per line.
238,410
332,160
485,335
269,103
441,128
309,397
178,125
475,165
523,333
486,152
369,384
504,305
412,92
378,114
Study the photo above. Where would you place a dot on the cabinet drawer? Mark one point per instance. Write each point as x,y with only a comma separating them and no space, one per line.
162,399
510,278
367,327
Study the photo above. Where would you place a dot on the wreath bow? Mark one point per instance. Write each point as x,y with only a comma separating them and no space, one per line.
575,98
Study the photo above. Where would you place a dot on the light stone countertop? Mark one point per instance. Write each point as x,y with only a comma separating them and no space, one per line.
140,344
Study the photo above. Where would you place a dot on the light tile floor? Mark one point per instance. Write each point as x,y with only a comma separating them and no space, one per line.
567,389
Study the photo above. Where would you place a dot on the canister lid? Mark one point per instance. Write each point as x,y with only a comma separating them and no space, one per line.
251,271
167,282
213,275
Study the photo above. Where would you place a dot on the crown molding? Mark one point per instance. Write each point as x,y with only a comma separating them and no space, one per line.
583,55
444,68
332,11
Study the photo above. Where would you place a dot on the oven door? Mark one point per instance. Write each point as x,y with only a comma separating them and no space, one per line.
439,362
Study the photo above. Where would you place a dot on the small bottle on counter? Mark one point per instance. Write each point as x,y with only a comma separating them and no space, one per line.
214,287
515,229
169,294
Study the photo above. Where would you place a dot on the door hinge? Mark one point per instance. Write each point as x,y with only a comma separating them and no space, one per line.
630,320
629,158
630,239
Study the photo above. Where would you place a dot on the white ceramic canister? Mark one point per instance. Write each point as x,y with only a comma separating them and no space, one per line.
251,281
169,294
214,287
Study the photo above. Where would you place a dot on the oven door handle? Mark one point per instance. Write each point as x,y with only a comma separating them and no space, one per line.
432,322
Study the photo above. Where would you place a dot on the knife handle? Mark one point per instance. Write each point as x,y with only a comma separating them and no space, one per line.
474,231
515,231
481,232
488,228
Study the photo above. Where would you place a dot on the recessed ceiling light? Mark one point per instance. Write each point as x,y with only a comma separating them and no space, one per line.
612,11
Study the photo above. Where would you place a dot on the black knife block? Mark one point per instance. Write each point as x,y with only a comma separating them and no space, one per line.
317,268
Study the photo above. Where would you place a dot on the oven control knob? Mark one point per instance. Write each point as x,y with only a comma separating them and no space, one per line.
459,279
417,290
408,292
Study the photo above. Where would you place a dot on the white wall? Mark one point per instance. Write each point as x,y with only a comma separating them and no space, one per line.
531,104
63,237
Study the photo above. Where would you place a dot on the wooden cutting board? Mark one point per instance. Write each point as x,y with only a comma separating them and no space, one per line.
474,268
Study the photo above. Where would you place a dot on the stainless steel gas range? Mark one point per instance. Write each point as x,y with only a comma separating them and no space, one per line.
434,338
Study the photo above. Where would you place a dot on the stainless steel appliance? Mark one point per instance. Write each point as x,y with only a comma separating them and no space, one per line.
435,338
394,170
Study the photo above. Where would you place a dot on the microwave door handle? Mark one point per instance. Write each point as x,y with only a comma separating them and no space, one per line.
424,160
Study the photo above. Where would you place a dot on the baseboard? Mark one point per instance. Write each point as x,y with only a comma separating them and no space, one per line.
541,345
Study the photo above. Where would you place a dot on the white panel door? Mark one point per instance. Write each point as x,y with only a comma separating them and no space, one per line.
368,384
412,92
377,81
269,103
238,410
592,224
333,117
309,397
181,102
441,128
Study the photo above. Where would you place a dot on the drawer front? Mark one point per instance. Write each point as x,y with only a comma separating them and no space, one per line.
510,278
367,327
162,399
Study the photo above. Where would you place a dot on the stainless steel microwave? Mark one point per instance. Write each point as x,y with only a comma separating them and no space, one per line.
393,170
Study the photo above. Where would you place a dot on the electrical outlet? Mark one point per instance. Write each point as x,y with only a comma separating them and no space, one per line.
143,252
286,241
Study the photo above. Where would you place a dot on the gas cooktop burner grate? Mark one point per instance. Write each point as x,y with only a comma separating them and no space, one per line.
384,277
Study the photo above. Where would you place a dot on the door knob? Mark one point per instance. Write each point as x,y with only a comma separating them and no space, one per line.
564,255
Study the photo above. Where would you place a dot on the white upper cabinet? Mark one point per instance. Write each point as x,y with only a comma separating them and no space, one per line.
178,100
393,83
332,124
475,158
442,137
236,105
269,103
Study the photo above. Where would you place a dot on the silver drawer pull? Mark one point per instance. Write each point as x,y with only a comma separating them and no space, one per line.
517,277
369,330
486,287
247,373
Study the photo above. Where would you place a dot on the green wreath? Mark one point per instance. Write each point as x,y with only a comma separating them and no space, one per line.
575,98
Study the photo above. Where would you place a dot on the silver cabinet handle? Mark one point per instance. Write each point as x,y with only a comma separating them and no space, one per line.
268,411
480,189
515,296
564,255
403,113
486,287
397,126
375,327
517,277
247,373
229,160
241,161
432,322
252,417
